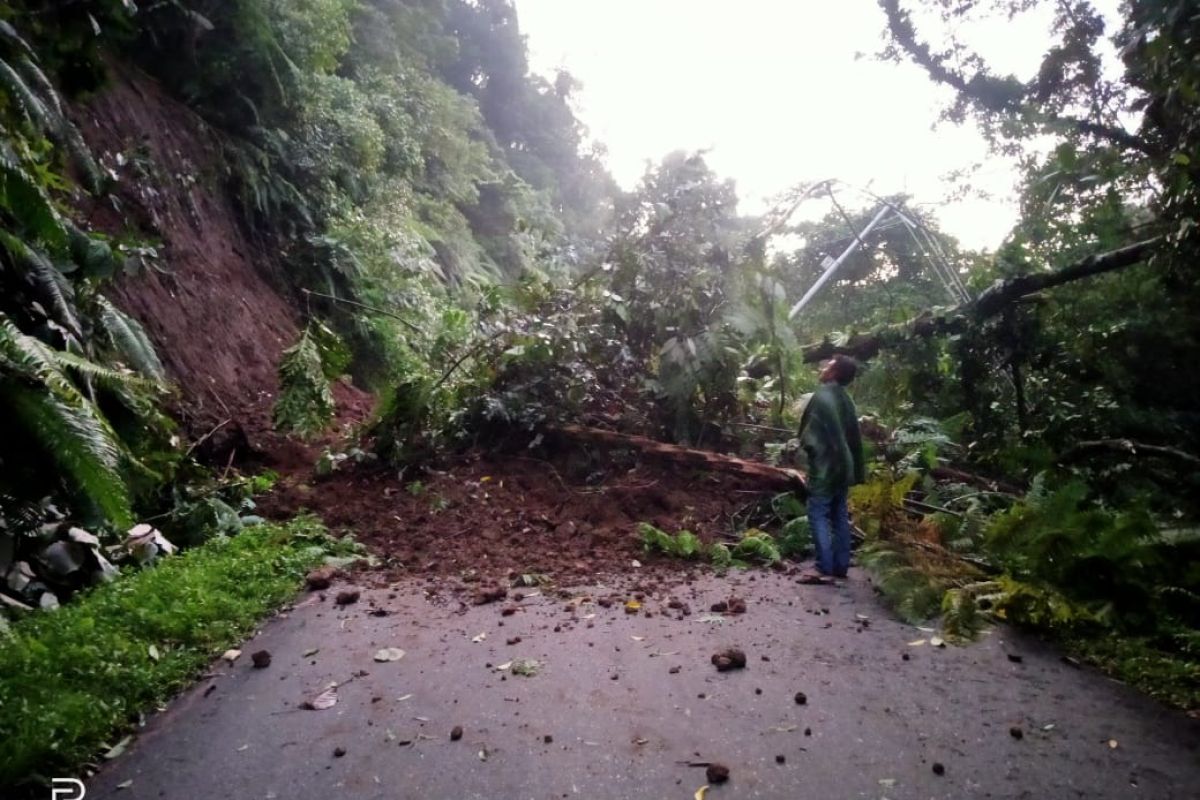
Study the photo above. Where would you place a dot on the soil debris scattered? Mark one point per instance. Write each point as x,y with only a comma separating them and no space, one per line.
939,768
456,733
338,752
717,773
493,594
320,578
731,658
801,698
261,659
347,597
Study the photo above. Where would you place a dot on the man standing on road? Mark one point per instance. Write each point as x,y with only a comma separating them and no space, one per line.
832,441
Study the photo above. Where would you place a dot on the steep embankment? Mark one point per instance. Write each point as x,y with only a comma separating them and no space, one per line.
205,297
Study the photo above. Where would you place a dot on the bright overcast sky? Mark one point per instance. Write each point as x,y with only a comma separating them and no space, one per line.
773,90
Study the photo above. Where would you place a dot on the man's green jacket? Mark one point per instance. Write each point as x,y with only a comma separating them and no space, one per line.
830,437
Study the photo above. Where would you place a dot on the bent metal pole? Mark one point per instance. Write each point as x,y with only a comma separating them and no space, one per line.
825,276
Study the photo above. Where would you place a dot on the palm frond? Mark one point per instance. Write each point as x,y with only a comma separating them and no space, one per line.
130,340
69,428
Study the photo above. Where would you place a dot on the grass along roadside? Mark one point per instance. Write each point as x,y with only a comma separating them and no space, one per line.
73,681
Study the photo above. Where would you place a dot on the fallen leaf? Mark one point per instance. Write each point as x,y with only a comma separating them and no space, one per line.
589,616
638,638
117,749
326,699
125,784
243,748
389,654
699,795
632,606
153,651
309,653
936,641
402,699
231,655
1048,727
926,630
479,638
861,617
710,618
916,642
639,741
784,728
504,667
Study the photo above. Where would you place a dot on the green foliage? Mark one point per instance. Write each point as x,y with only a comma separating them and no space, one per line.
753,546
684,544
908,586
1116,564
129,340
795,534
756,545
63,423
878,501
305,405
79,426
720,555
79,675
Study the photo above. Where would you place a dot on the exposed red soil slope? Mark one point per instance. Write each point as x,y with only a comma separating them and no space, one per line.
217,321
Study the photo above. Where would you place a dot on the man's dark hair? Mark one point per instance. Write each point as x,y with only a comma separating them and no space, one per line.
845,369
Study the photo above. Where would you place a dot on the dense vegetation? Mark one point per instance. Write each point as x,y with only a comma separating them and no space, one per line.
450,230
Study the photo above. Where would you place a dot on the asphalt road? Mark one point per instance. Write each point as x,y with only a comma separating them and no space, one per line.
621,703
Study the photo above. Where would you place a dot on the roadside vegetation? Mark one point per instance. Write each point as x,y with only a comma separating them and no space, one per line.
75,682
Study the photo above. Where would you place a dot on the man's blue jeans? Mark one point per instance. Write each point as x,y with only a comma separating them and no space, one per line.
829,519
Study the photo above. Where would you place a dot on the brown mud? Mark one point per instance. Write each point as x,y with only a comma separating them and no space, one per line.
488,519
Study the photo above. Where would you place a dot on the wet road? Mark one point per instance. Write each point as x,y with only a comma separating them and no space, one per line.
621,702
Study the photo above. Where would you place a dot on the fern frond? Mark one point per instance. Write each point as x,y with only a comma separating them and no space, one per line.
71,431
305,404
47,280
102,375
130,340
24,200
36,114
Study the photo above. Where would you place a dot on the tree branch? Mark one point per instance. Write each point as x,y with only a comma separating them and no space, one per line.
1128,447
991,302
991,94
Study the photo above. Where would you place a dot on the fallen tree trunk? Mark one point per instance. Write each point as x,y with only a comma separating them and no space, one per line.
996,298
770,476
1127,447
